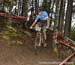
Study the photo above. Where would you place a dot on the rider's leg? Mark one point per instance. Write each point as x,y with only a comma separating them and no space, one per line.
37,25
44,32
45,37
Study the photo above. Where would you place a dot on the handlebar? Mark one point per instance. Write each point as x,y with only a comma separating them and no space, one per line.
38,28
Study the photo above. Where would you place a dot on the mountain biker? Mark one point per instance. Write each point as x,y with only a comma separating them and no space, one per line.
42,19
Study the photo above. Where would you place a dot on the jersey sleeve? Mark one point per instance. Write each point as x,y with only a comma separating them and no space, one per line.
45,14
37,18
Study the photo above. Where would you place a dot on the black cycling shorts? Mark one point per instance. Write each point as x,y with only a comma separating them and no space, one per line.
42,23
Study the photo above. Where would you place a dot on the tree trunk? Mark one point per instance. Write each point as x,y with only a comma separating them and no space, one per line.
25,8
56,14
52,12
68,18
61,16
46,5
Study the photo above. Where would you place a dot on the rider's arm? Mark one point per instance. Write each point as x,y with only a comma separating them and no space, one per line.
46,18
48,21
34,23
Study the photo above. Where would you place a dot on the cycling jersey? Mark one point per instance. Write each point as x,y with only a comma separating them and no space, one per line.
43,16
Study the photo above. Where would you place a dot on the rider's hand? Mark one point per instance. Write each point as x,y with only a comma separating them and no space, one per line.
31,27
47,27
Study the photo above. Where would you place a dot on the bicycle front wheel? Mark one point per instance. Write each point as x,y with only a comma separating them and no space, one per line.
37,43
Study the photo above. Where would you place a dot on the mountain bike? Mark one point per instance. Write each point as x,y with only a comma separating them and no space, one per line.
39,39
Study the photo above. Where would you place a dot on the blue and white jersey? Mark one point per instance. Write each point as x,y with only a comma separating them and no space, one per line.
43,16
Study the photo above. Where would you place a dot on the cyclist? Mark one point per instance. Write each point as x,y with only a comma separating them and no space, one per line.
42,19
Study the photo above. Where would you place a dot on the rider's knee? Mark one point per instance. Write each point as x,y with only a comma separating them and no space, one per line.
44,30
37,25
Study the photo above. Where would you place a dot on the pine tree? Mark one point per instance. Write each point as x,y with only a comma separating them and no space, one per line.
25,8
68,18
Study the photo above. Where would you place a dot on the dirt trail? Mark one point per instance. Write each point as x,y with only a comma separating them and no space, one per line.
24,54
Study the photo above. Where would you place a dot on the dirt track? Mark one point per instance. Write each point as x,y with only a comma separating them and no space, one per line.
24,54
